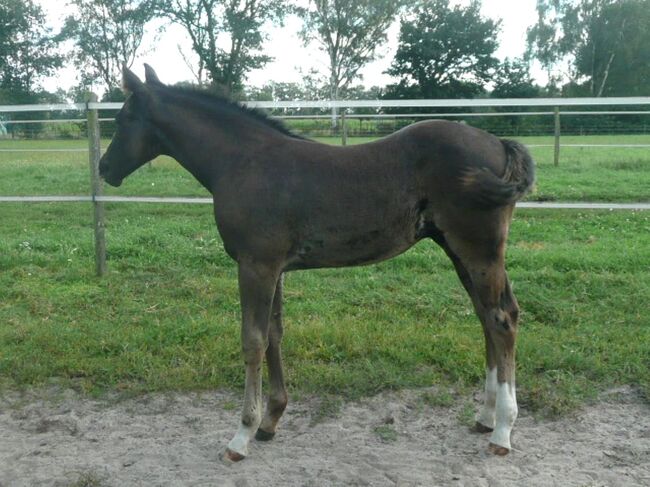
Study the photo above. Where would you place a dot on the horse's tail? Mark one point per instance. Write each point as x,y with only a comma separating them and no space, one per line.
487,190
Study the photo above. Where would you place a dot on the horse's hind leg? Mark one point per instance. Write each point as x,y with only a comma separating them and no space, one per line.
486,418
500,325
256,288
277,389
483,274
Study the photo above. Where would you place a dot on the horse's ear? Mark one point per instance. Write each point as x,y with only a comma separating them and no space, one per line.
130,82
150,75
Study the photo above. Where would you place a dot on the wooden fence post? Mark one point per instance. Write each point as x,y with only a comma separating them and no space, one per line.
556,155
344,129
94,154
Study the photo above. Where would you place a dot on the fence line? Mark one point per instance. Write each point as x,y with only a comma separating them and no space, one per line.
202,201
599,146
326,104
45,150
97,199
440,103
381,116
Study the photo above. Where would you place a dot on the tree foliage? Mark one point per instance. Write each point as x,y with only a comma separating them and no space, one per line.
27,50
444,52
211,24
107,34
512,79
601,46
349,32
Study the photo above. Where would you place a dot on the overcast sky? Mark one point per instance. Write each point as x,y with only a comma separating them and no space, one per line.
290,57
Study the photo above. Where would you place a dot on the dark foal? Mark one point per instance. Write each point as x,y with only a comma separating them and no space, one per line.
283,203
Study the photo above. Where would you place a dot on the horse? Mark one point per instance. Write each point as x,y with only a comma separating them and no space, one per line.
283,202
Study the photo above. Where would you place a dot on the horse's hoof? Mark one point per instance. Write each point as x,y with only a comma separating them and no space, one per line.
498,450
262,435
232,456
481,428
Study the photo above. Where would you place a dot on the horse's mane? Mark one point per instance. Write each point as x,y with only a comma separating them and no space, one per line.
211,100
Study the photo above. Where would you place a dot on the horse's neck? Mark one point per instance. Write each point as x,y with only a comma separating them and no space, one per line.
207,146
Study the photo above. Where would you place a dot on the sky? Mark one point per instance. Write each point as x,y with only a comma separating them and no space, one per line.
291,58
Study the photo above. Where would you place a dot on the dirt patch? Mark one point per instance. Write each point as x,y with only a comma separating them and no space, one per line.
396,439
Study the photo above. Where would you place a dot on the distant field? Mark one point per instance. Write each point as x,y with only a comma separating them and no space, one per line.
584,174
167,316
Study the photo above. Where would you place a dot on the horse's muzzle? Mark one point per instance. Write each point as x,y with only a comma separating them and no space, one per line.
106,175
112,181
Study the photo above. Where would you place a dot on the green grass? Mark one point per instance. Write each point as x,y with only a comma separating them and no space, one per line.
166,317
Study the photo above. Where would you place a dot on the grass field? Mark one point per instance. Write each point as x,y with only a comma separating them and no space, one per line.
167,316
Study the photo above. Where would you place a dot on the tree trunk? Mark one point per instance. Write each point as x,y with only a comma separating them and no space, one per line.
334,95
605,76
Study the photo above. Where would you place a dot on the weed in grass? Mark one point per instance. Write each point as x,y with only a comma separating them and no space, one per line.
467,414
88,479
438,399
386,433
328,407
229,405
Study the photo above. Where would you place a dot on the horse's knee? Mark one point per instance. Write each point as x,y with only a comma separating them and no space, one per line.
253,348
276,330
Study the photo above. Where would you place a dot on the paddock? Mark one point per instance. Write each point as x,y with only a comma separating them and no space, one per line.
581,275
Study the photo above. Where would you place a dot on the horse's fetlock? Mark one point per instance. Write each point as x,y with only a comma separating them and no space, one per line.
278,403
251,418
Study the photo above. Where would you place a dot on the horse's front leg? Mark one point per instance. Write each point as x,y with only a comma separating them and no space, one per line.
277,389
256,288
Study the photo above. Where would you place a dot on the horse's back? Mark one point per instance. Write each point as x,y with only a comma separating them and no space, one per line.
452,147
332,206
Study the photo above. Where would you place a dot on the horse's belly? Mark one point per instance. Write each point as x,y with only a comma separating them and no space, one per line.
354,249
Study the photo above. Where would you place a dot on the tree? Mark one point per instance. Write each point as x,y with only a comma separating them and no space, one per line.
598,47
349,32
512,80
27,51
107,34
237,23
444,52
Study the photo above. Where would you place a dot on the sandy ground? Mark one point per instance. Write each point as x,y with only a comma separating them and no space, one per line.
53,437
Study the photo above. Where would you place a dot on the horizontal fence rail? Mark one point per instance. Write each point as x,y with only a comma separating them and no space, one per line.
594,146
204,201
327,104
379,116
90,111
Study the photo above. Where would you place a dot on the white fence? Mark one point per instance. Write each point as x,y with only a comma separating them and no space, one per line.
96,197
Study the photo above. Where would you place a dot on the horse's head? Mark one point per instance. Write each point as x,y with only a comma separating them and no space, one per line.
136,139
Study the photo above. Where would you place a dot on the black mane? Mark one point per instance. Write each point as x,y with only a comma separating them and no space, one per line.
220,102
